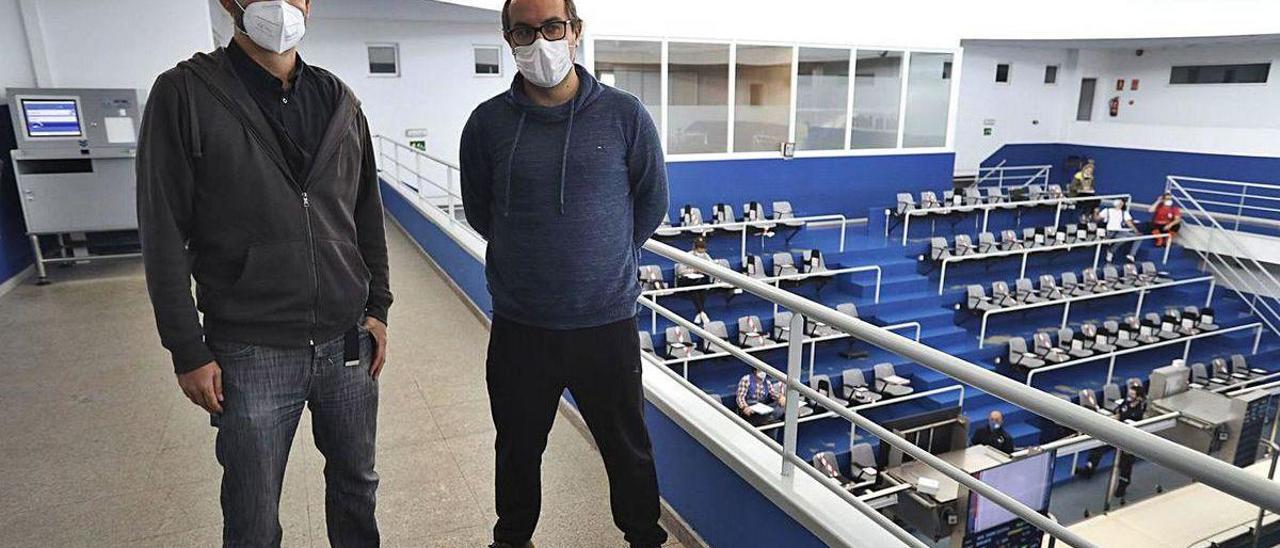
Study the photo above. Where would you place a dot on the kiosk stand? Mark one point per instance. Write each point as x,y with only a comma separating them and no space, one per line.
75,167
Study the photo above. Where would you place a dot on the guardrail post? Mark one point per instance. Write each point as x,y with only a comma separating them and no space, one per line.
1208,299
1137,312
795,359
906,226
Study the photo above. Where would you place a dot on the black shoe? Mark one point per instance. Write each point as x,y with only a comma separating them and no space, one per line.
1086,471
505,545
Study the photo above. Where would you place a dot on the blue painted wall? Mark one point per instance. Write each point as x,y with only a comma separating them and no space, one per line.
15,249
693,481
1139,172
815,186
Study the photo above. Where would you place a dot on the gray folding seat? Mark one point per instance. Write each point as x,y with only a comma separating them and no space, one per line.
1222,370
1152,275
1165,329
1182,326
848,309
1069,232
1089,401
754,267
929,200
691,216
1001,296
1082,234
1035,192
1009,241
1121,338
680,343
987,242
1199,375
1071,285
825,463
753,212
782,326
1111,276
723,214
1129,275
938,249
651,277
665,230
997,196
784,264
854,388
1049,289
1024,292
1053,236
972,196
1098,342
1044,348
1111,396
889,383
1074,347
1239,365
813,261
1054,191
862,460
964,245
1142,332
816,328
951,199
906,202
822,385
751,332
646,342
1203,317
1019,356
976,299
724,263
1032,237
785,215
718,330
1089,279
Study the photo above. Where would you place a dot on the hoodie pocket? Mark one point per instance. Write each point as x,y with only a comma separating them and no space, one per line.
273,287
344,282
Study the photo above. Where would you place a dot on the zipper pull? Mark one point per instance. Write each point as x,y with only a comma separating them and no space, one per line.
306,200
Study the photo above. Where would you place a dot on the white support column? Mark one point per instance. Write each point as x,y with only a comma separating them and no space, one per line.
795,360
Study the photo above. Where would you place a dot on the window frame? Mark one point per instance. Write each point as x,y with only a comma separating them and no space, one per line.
475,48
368,49
1057,74
949,146
1008,73
1270,69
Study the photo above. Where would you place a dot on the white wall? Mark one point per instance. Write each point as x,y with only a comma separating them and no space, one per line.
437,87
118,44
15,58
1241,119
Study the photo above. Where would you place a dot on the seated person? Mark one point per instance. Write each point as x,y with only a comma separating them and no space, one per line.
756,391
1166,219
1119,223
993,434
689,276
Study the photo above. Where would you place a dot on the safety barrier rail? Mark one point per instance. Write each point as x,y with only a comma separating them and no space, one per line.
876,404
1001,175
1237,266
1186,351
1066,302
987,208
1026,252
409,167
1204,468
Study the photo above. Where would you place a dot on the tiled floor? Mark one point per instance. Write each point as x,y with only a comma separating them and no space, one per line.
99,448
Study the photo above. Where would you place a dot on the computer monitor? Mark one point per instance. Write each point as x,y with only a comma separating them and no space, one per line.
1028,480
51,117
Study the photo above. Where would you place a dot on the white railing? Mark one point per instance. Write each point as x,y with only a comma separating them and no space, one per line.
1026,252
1224,251
1066,302
1186,350
1241,203
1001,176
877,404
987,208
436,182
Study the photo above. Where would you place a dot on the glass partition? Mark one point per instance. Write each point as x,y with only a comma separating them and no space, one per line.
698,98
762,98
877,95
928,100
822,98
634,67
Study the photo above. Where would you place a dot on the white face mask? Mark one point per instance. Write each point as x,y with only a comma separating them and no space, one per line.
275,25
1168,203
544,64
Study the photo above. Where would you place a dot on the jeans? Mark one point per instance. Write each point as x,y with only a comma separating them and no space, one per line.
264,392
1119,246
528,368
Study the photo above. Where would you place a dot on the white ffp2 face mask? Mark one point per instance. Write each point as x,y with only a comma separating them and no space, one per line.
544,64
275,25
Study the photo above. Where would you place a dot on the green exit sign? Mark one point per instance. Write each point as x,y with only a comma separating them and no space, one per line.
418,144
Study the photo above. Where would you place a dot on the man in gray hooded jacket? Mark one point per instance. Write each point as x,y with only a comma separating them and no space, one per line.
565,178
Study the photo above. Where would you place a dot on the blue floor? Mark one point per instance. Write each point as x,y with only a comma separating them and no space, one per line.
909,292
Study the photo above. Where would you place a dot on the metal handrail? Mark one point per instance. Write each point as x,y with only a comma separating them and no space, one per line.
1208,470
1042,171
1186,340
795,389
876,404
1084,438
453,176
1025,252
987,208
773,279
1141,290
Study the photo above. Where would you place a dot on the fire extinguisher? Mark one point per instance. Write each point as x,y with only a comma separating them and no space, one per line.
1115,106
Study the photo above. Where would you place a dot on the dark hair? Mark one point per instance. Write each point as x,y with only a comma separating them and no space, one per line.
569,8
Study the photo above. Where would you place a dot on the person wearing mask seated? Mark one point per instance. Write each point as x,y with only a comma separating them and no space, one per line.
1166,219
760,400
1083,185
1119,224
993,434
689,276
1133,408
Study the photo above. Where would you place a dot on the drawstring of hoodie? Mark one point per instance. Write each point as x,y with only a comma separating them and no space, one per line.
564,156
511,158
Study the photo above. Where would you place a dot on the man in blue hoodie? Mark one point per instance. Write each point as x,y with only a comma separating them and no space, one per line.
565,178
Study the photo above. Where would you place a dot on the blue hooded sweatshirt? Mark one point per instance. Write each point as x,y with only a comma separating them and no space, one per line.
565,196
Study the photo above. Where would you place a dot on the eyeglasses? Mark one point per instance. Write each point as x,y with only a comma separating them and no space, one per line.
552,31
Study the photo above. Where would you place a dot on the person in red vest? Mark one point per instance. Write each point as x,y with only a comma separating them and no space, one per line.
1166,219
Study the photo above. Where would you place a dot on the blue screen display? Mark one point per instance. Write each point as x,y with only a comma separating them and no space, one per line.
52,118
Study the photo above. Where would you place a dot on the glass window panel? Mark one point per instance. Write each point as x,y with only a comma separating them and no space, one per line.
928,101
1002,73
698,98
634,67
822,98
488,60
1220,74
1051,74
382,60
762,102
877,94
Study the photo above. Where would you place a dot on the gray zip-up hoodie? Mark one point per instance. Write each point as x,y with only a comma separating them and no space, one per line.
565,196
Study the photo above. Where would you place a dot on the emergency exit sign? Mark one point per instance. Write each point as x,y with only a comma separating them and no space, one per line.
419,144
